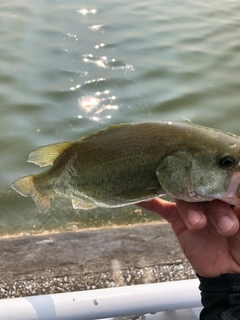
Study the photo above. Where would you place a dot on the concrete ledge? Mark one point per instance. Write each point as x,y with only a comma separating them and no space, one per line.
90,259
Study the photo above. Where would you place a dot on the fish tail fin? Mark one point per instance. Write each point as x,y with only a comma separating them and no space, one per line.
27,188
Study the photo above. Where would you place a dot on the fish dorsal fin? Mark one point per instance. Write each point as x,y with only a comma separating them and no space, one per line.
108,129
45,156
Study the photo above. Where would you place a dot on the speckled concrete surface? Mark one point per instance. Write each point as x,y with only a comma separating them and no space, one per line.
90,259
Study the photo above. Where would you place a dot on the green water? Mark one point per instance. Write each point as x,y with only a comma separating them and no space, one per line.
69,68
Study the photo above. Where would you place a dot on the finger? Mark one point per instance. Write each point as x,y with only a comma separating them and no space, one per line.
192,214
222,217
163,208
236,209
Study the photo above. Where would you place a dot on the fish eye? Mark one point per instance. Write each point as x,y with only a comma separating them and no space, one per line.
227,161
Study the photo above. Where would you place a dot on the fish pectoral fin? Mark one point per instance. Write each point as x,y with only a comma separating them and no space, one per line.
174,174
45,156
26,187
81,204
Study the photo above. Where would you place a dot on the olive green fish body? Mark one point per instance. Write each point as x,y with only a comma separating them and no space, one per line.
129,163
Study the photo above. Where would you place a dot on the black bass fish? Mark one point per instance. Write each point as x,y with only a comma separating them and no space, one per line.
129,163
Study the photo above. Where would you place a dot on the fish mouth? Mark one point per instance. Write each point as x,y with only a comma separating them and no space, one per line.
232,194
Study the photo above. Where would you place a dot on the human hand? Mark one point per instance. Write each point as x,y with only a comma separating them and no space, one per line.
208,233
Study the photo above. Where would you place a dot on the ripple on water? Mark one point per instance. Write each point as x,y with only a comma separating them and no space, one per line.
67,70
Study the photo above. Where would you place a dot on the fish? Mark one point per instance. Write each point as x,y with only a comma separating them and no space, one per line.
129,163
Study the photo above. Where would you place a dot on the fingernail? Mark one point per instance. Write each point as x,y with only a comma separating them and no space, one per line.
193,217
225,223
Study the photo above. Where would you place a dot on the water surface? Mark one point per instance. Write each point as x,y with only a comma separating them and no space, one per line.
68,69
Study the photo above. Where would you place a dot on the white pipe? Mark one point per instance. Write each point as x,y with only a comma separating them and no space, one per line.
104,303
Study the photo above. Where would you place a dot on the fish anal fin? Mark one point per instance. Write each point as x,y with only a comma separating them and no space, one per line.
81,204
46,155
26,187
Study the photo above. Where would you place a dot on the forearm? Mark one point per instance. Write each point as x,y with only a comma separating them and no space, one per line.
220,297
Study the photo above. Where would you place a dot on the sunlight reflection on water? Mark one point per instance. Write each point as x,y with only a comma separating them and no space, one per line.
95,105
